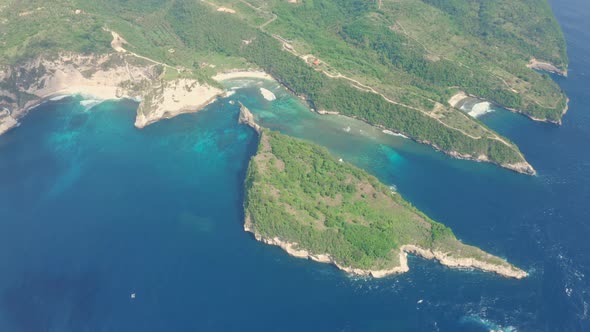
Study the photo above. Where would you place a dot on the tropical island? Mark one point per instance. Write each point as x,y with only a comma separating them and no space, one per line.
399,65
300,198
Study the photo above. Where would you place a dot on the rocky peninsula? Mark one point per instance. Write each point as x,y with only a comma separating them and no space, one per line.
561,104
301,199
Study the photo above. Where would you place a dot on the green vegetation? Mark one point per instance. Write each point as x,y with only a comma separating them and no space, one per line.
298,192
30,28
429,49
332,94
394,66
401,61
526,26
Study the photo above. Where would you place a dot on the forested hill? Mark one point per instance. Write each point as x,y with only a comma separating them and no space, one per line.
301,198
526,25
393,64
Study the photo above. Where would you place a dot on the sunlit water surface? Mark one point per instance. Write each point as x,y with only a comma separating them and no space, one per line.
93,210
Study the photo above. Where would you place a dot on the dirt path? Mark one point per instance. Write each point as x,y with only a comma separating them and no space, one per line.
363,87
118,43
405,32
360,86
274,17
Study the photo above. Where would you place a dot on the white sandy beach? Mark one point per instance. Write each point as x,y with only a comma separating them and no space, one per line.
480,109
258,74
457,98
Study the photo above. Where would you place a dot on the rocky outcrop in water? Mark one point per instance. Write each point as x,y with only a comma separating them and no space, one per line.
246,117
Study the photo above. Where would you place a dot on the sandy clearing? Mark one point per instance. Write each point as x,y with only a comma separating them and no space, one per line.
257,74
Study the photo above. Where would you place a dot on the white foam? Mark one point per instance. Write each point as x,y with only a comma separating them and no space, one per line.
480,109
389,132
267,94
58,98
90,103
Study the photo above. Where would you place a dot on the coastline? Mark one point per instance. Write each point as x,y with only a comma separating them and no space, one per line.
68,75
506,270
460,96
14,117
546,66
7,121
246,117
103,77
443,258
558,122
161,100
236,74
264,75
172,98
172,105
522,167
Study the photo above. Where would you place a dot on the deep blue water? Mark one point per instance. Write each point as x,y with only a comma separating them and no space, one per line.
93,210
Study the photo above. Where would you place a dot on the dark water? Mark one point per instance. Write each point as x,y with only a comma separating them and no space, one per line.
93,210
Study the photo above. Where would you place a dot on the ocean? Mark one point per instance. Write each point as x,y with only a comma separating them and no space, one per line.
104,227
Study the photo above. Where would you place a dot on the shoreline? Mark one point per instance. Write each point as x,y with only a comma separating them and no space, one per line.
80,91
169,99
16,116
142,121
546,67
501,268
555,122
443,258
172,98
460,96
523,167
72,74
7,121
166,100
236,74
246,117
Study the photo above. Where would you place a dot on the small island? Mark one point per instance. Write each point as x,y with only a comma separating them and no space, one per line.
302,199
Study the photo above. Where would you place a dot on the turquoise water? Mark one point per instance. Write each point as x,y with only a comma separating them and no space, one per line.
93,210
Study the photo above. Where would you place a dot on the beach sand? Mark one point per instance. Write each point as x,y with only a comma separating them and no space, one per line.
457,98
242,74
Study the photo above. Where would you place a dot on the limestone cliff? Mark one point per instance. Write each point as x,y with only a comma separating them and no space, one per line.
246,117
167,99
110,76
